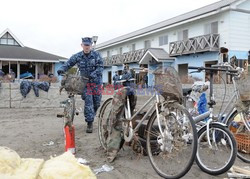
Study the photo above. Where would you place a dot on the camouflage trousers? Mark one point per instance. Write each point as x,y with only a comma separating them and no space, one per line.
92,97
115,138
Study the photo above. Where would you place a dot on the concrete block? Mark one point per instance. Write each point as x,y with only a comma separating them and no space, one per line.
4,104
55,85
43,94
41,103
4,93
15,104
54,104
54,93
26,105
16,94
15,85
5,85
30,98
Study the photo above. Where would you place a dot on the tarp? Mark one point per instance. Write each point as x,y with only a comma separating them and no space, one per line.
65,166
14,167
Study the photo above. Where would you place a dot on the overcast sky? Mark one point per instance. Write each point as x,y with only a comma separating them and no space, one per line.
56,26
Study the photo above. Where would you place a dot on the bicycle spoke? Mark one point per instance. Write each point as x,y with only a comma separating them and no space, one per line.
152,133
171,154
220,156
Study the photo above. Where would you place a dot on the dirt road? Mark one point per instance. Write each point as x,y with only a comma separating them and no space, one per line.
26,130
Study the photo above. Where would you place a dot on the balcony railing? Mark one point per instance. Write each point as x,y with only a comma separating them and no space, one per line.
198,44
128,57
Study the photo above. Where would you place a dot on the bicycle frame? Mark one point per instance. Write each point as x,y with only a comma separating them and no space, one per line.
221,116
129,118
209,114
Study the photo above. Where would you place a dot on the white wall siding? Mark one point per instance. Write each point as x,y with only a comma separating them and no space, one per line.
239,35
223,25
196,28
233,27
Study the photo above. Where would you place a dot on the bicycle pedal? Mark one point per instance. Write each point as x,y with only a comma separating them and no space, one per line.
60,115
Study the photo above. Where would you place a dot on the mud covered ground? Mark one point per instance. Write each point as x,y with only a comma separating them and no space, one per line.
28,130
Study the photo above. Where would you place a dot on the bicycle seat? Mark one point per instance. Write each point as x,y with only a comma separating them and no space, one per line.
186,91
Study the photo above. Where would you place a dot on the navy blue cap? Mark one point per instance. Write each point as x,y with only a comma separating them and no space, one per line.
87,41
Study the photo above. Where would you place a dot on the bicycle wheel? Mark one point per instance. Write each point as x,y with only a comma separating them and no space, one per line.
219,157
69,111
103,122
243,154
174,152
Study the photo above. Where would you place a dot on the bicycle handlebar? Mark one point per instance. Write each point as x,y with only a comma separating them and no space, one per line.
212,69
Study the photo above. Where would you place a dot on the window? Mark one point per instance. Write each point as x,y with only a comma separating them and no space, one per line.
11,41
120,50
133,47
108,53
147,44
183,35
7,39
163,40
3,41
214,28
211,28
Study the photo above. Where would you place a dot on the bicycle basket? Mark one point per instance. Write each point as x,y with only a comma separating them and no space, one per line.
74,84
243,142
168,83
243,86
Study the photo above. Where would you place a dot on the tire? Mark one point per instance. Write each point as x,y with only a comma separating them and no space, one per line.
103,123
244,157
222,134
175,114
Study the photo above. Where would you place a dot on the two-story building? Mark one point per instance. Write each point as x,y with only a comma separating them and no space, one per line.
191,39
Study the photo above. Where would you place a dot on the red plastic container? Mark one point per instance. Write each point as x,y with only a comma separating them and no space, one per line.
69,133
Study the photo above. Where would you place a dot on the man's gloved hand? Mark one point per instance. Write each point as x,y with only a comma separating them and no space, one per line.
60,72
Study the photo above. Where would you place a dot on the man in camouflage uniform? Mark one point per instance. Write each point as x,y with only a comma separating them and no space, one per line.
116,77
115,139
90,65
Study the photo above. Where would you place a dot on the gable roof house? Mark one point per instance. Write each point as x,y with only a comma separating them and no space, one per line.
190,39
15,56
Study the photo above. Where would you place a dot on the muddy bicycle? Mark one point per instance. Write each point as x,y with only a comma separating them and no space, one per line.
74,85
171,138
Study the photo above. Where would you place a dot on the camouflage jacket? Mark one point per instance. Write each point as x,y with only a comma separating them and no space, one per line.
116,78
90,66
126,76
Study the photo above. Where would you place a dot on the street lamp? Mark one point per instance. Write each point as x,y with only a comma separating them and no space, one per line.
94,39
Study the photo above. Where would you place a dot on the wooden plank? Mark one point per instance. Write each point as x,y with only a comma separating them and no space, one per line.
237,175
241,170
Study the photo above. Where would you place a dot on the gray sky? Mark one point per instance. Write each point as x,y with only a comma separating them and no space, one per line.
56,26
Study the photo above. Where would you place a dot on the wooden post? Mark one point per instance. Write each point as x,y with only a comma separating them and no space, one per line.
53,69
36,70
18,70
9,66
